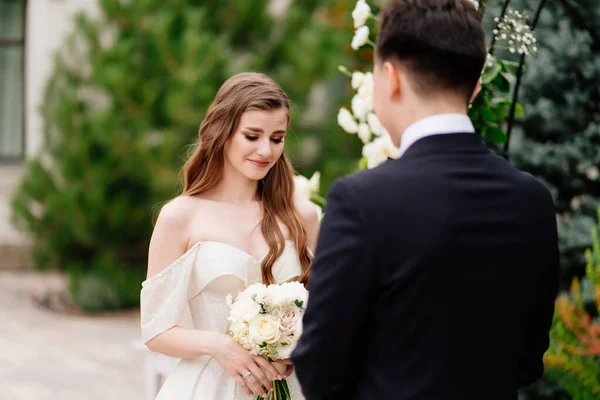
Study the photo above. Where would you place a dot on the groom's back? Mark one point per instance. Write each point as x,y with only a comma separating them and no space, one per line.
464,246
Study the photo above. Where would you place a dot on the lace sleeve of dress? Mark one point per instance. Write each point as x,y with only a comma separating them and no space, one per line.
164,297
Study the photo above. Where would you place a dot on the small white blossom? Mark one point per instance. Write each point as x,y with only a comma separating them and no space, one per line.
375,125
361,13
490,61
514,28
379,150
365,91
360,108
347,121
364,133
575,203
361,36
357,79
307,187
592,173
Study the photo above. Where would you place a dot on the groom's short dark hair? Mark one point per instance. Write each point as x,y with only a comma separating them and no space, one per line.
440,43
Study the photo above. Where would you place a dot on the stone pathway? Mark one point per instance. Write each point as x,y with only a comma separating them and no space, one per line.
49,356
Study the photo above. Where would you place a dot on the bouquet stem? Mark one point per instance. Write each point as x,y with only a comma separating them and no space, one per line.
280,391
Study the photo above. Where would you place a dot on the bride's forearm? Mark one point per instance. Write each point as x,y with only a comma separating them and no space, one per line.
179,342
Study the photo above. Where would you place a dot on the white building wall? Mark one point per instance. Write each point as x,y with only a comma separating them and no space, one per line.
48,23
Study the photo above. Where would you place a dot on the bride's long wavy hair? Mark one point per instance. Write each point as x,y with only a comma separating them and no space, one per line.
204,169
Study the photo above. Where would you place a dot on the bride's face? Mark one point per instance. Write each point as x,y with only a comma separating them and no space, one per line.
257,142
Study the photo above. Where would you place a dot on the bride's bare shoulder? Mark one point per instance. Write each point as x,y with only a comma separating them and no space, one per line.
310,216
171,233
179,210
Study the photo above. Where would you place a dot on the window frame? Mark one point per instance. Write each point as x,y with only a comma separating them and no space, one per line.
19,42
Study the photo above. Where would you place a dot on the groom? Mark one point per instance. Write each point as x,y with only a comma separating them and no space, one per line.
435,274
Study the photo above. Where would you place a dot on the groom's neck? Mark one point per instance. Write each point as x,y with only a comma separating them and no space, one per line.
423,109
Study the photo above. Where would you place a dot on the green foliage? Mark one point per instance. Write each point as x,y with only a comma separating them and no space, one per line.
574,355
557,139
492,105
127,94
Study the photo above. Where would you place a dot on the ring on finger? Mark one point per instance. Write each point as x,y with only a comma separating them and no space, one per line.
247,376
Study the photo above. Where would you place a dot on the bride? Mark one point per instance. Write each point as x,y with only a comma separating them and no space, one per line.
236,223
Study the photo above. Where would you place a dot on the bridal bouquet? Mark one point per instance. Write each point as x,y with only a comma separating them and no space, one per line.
267,321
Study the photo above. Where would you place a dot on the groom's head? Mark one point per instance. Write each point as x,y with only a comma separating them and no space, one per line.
428,59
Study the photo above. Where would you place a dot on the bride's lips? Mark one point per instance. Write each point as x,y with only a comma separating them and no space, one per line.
260,164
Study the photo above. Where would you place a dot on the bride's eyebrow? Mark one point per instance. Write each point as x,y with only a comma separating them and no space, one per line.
259,130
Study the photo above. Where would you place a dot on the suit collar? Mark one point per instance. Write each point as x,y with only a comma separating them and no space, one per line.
440,124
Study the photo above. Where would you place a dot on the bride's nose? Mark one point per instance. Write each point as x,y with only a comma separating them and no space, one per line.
264,149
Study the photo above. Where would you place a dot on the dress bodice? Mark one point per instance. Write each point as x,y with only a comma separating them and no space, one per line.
191,293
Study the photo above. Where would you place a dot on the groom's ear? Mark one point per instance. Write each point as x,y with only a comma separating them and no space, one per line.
475,91
393,79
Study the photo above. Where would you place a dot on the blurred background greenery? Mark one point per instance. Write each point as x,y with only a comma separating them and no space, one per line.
129,90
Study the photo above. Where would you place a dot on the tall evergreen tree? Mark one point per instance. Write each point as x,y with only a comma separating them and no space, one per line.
128,92
558,139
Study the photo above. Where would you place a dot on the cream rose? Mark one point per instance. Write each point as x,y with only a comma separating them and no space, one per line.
288,319
264,328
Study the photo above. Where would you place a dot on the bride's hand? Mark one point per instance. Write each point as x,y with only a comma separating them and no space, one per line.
289,367
239,363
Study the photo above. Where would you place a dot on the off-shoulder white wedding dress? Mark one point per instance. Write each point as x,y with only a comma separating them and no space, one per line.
191,293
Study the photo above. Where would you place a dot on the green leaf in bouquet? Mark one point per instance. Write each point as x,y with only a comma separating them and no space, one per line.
298,303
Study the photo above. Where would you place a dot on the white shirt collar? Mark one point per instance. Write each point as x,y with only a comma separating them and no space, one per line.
439,124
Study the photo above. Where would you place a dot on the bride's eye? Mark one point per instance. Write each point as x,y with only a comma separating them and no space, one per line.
251,138
277,140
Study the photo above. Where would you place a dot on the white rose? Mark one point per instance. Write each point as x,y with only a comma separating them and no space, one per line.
264,329
357,79
239,329
297,291
287,346
244,310
361,13
375,125
360,108
364,133
278,295
346,121
287,293
361,36
256,290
